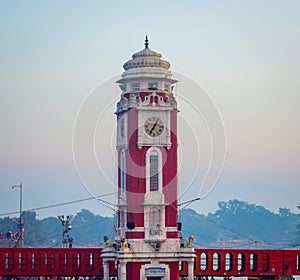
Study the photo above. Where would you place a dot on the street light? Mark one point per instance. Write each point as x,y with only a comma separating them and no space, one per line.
65,222
21,228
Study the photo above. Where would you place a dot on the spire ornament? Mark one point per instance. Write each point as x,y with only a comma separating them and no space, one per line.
146,42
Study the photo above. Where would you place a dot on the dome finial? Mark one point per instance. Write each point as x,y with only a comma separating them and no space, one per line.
146,42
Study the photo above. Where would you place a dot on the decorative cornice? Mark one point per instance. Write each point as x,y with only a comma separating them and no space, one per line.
135,101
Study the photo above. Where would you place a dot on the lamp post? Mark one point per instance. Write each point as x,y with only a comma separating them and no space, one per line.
66,239
21,227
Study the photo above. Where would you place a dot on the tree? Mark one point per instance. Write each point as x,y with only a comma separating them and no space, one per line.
35,231
204,231
89,229
54,232
7,224
297,232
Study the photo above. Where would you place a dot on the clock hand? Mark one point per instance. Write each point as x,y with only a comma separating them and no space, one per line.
153,126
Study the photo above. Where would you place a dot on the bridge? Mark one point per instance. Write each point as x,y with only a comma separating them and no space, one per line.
271,264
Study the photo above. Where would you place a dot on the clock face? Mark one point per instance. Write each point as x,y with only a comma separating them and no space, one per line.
154,126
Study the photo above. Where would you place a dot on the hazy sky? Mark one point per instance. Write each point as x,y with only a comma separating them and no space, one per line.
54,53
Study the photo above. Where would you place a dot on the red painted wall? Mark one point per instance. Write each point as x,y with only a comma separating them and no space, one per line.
133,270
135,169
174,270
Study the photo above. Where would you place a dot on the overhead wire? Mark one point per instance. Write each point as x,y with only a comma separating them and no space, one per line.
108,204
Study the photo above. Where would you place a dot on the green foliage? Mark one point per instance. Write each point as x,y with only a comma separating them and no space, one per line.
246,220
199,226
238,223
89,229
297,233
7,224
54,232
34,229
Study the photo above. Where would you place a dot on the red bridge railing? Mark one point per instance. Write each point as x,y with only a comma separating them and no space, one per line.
88,262
239,262
52,262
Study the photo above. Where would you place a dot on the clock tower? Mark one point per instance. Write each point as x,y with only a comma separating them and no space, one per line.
147,237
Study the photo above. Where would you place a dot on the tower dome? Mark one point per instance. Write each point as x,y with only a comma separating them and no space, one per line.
146,58
146,71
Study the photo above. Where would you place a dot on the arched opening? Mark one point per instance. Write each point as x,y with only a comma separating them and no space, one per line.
49,261
253,262
180,266
36,261
216,261
265,262
9,261
89,261
154,180
22,261
153,170
241,262
123,174
76,261
63,261
203,261
228,262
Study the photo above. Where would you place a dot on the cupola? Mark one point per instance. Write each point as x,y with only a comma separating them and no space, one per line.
146,71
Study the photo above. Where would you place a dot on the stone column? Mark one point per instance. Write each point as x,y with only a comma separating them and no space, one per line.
191,269
122,270
105,270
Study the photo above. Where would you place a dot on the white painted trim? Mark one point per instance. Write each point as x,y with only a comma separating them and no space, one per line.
163,140
123,174
171,229
136,229
158,151
122,140
166,268
122,198
154,233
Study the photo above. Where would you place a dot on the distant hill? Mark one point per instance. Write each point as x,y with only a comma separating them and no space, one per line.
235,224
240,224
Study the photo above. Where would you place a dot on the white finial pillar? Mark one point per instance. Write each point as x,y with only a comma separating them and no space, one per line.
105,270
122,270
191,269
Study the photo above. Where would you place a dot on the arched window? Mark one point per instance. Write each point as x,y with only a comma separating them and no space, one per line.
266,262
216,261
241,262
203,261
153,170
123,174
228,262
253,262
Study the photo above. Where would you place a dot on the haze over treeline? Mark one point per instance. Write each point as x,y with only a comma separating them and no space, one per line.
235,224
